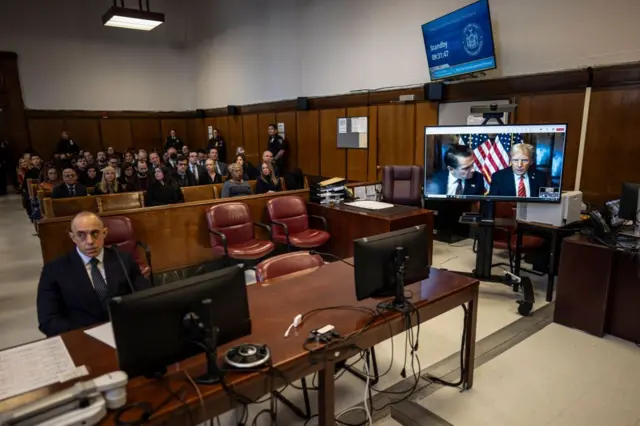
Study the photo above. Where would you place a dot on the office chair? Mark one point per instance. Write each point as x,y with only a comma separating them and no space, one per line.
402,185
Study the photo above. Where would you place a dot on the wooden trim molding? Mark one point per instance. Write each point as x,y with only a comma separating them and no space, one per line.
616,75
66,114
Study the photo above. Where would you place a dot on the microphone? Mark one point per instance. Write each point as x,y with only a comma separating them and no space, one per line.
333,256
126,273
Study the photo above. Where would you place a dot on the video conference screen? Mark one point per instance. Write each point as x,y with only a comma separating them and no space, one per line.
521,163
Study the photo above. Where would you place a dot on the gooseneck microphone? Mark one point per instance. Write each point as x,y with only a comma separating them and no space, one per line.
126,273
333,256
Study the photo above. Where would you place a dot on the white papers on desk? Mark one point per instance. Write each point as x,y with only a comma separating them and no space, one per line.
360,192
103,333
34,365
370,205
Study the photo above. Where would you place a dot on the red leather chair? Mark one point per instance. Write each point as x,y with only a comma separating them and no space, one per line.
402,185
287,263
290,223
122,235
231,233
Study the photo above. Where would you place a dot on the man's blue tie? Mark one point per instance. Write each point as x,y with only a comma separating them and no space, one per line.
99,283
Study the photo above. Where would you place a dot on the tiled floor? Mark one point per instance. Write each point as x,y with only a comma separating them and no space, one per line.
504,391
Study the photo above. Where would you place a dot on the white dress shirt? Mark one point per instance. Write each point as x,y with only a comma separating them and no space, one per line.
87,265
526,183
452,184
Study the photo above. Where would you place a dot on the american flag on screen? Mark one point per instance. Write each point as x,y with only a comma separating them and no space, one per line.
489,157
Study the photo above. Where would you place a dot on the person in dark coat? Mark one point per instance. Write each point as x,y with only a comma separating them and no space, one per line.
519,180
67,145
459,177
268,181
164,189
69,186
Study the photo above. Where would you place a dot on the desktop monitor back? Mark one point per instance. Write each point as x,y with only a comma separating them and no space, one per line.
149,326
629,199
375,274
486,163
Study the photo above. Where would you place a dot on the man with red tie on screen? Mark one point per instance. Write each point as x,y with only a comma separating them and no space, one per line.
520,180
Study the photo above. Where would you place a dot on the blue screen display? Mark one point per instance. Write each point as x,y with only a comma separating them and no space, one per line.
460,42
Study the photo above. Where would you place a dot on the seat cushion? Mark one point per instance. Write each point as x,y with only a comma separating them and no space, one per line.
286,264
309,238
252,249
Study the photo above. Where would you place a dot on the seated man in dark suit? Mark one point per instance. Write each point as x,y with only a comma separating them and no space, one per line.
199,172
459,178
519,180
182,175
69,186
74,289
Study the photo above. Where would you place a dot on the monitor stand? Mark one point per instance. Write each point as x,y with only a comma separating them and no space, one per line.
204,334
399,303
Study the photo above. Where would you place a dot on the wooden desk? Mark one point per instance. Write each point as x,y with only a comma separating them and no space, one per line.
273,305
598,290
349,223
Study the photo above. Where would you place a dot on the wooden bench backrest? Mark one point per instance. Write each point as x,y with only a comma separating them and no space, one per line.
69,206
123,201
30,184
198,193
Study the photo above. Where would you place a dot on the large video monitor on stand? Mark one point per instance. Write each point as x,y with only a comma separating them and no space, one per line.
494,163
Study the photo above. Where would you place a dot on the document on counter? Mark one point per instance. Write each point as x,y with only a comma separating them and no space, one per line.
104,333
34,365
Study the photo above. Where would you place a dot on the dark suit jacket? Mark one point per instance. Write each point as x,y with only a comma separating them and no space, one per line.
66,298
503,183
61,191
473,186
190,179
202,173
67,146
206,180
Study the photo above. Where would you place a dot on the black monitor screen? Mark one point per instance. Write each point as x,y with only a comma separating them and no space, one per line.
503,163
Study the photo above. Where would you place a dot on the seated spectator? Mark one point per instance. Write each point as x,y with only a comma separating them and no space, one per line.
74,289
182,176
143,179
110,151
94,176
221,168
267,182
212,175
142,155
185,150
21,171
109,183
89,157
198,172
49,178
294,180
235,186
102,160
154,159
242,162
202,157
249,171
69,186
172,158
81,170
128,177
164,189
267,157
129,157
114,163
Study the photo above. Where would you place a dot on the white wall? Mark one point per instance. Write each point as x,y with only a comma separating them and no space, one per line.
68,60
264,50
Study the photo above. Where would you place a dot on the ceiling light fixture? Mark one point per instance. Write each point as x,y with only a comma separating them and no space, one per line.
133,19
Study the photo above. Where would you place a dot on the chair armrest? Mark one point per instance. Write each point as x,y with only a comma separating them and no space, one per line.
147,255
323,219
265,227
223,238
286,228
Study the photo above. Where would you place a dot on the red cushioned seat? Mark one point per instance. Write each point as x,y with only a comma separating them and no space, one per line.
232,235
287,263
290,223
122,235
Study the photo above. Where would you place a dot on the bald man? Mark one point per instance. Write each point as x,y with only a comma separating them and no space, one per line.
75,288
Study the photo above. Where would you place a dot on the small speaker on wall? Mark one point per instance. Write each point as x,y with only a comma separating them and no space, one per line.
303,104
433,91
200,113
232,110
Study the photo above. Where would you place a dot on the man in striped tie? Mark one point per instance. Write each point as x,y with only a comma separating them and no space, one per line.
521,180
74,289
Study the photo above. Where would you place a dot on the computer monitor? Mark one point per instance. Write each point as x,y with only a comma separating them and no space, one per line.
378,259
495,163
629,199
154,328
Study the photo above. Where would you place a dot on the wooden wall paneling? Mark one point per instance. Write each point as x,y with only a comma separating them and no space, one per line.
235,136
146,134
177,124
396,134
116,132
308,130
611,148
426,115
358,159
251,138
196,133
547,108
86,133
263,130
291,135
45,134
373,173
333,161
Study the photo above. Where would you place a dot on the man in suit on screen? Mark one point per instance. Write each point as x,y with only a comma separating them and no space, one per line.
519,180
459,177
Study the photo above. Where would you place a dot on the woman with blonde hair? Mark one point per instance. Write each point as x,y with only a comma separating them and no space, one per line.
109,183
268,181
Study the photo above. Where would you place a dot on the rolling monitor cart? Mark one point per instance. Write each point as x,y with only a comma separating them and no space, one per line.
494,163
385,263
164,325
